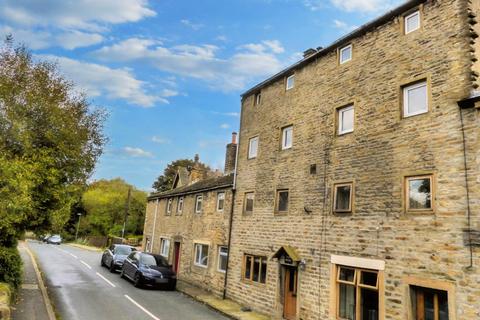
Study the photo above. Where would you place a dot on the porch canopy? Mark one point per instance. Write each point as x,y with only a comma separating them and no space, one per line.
287,255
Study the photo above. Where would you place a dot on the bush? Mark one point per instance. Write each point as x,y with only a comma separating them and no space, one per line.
10,266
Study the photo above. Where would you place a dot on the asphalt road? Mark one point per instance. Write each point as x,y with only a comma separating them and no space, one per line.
81,289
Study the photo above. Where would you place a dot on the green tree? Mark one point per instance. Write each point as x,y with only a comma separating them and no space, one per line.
104,203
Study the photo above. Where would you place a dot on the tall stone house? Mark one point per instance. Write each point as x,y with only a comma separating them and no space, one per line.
189,224
357,183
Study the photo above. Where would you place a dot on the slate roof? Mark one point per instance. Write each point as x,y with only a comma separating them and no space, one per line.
202,185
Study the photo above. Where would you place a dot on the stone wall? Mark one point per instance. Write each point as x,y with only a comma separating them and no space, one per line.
382,150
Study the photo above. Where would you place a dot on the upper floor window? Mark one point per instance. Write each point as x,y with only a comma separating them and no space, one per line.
169,205
287,137
282,201
201,255
248,202
415,99
346,54
165,247
290,82
412,22
198,203
419,193
345,119
342,197
258,98
180,205
220,201
252,148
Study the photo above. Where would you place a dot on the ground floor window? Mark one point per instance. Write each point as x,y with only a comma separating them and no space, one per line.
165,247
201,255
357,294
222,258
255,268
429,304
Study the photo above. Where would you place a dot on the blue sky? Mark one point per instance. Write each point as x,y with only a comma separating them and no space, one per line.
170,72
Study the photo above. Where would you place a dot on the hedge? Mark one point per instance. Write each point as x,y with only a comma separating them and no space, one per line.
10,266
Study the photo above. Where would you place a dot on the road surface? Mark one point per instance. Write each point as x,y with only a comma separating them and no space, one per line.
81,289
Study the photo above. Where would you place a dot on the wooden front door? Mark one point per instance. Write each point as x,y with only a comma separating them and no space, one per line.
176,257
290,293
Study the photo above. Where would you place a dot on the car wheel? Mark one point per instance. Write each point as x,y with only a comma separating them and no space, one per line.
171,286
112,267
101,263
137,281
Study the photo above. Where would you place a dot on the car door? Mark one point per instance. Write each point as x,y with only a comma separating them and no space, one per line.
108,255
131,264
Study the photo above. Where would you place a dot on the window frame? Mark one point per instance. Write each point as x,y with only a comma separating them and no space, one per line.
164,241
406,200
218,201
245,202
277,201
244,267
340,111
287,87
168,209
408,16
180,204
351,202
257,99
285,129
198,199
341,50
249,153
405,102
196,245
221,254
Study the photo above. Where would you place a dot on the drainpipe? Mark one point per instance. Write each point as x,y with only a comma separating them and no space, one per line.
154,223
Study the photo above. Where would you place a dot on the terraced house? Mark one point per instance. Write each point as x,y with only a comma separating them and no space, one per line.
358,183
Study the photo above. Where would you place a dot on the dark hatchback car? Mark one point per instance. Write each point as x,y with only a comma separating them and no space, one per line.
113,257
146,269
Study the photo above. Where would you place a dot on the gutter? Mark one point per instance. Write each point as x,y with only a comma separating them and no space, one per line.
163,196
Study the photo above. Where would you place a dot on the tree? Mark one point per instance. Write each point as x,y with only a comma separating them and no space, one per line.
104,204
50,140
164,182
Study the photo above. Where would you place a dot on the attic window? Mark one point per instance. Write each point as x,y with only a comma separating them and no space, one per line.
290,82
412,22
346,54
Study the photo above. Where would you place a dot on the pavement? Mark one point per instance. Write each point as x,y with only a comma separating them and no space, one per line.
81,289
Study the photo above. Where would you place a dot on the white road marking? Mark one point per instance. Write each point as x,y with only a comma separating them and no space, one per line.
106,280
142,308
86,264
73,255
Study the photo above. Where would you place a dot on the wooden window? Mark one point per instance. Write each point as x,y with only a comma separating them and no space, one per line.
415,99
180,205
254,268
169,206
201,255
357,293
429,304
287,137
258,98
220,201
198,203
282,201
419,193
252,147
346,116
290,82
248,202
342,197
164,247
412,22
345,54
222,258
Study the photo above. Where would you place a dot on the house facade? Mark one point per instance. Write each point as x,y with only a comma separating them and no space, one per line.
357,181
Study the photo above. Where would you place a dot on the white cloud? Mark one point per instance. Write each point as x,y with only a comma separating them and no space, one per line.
224,126
101,80
343,26
194,26
229,114
77,39
363,5
137,152
251,61
160,140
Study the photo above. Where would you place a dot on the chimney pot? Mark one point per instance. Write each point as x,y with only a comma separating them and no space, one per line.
234,137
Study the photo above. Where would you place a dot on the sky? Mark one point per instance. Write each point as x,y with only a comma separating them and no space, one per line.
170,72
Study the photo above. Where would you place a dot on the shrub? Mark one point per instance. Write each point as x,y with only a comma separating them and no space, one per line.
10,266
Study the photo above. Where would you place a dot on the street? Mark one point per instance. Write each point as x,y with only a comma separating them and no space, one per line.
81,289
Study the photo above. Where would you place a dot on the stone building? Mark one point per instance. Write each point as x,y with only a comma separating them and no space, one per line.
358,183
189,224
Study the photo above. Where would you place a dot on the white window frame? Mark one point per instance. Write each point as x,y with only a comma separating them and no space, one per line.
165,247
411,15
198,262
258,98
221,254
406,90
341,55
220,196
252,155
180,204
198,199
290,83
169,205
341,112
284,138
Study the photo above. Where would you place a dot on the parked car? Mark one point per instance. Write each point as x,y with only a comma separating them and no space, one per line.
45,237
113,257
146,269
55,239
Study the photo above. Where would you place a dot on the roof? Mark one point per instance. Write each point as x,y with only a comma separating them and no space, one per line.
202,185
338,43
291,252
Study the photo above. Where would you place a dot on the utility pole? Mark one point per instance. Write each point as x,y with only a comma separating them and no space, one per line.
78,225
127,207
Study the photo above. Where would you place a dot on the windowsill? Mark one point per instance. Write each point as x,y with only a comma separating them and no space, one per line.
252,158
280,213
420,212
286,149
342,213
200,266
255,283
221,271
414,115
344,133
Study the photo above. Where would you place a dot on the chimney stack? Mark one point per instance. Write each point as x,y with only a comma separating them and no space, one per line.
230,155
307,53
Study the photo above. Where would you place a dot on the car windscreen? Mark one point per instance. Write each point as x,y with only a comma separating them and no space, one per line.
123,250
55,237
153,260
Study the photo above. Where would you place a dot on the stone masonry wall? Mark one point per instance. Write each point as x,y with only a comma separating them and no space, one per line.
382,150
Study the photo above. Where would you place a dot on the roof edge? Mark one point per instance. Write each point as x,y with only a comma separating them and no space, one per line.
173,194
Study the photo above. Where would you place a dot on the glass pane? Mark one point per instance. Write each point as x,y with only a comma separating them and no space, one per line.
419,193
287,137
346,120
248,267
417,99
346,301
346,54
291,280
429,306
204,260
442,305
249,202
283,201
290,82
369,278
346,274
343,198
369,304
222,265
263,274
256,269
412,23
253,147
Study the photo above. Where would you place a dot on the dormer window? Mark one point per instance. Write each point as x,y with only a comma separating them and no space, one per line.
346,54
412,22
290,82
